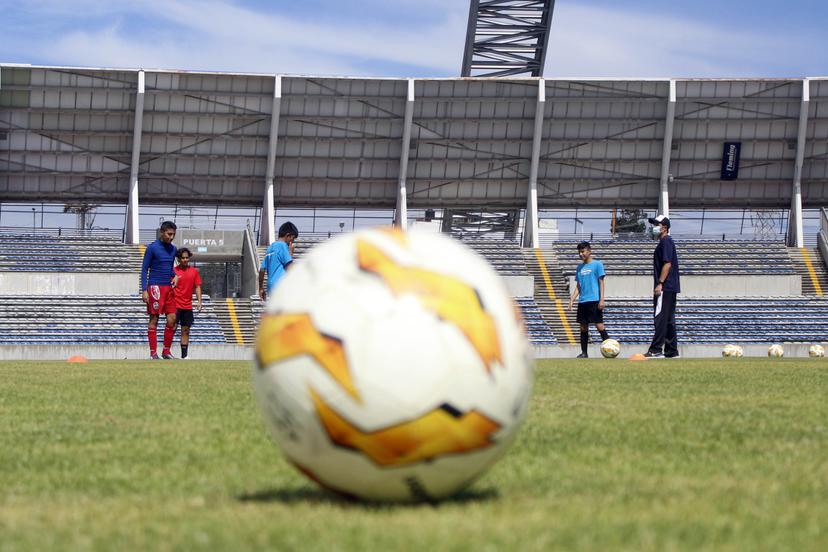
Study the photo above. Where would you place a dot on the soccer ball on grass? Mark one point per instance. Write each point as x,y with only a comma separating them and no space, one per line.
610,348
776,351
816,351
392,367
732,351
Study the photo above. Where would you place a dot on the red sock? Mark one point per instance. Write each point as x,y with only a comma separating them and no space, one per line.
152,336
169,332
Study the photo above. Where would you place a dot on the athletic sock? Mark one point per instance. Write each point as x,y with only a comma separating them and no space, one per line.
169,332
152,337
184,351
604,335
584,341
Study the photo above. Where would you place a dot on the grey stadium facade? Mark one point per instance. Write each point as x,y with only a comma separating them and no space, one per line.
136,137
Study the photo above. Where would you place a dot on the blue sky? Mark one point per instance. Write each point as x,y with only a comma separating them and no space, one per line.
634,38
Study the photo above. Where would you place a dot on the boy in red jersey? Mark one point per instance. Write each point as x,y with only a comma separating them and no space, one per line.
188,280
157,283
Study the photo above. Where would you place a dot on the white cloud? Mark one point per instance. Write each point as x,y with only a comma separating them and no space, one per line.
613,42
225,35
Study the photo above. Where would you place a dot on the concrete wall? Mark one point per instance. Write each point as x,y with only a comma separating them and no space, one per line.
520,286
69,283
707,286
119,352
250,266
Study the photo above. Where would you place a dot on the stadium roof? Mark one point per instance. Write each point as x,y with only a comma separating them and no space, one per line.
66,134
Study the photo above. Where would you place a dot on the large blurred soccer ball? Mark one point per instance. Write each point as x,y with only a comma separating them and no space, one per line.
610,348
732,351
776,350
816,351
392,366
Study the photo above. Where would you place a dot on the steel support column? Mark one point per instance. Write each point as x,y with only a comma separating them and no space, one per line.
669,120
401,219
132,222
267,232
795,237
530,223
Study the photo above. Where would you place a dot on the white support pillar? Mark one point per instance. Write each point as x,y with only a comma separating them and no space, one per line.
132,226
795,237
401,219
664,192
267,231
530,223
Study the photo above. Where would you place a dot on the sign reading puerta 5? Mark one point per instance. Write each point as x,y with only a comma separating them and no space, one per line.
211,245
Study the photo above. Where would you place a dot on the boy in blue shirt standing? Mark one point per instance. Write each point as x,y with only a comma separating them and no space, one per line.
277,258
590,294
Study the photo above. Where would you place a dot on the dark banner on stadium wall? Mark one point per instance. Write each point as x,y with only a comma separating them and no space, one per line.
730,160
211,245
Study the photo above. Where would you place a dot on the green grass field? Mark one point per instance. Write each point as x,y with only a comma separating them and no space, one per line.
658,455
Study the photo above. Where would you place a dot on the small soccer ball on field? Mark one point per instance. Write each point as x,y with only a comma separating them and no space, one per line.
610,348
816,351
732,351
391,366
776,350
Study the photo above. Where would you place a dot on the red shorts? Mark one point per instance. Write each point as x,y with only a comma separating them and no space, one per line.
161,300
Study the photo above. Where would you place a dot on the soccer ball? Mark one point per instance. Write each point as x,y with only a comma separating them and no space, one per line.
776,350
610,348
816,351
732,351
391,366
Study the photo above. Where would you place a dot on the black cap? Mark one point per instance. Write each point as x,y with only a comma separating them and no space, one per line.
660,220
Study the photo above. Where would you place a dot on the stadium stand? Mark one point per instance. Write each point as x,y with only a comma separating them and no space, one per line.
634,256
89,319
39,253
504,255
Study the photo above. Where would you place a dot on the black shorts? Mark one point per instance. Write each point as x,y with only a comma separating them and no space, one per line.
184,317
589,313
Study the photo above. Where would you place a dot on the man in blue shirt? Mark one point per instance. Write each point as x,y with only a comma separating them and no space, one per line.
277,258
157,283
666,287
590,294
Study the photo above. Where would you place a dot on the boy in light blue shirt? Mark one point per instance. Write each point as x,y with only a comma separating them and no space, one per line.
590,294
277,258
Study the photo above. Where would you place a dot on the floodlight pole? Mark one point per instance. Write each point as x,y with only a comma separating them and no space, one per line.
530,223
795,237
267,231
664,192
401,220
132,222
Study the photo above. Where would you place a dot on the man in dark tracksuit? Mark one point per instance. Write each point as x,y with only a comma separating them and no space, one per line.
666,288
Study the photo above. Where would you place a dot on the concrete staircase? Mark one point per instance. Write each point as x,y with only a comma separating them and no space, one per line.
809,287
243,332
554,308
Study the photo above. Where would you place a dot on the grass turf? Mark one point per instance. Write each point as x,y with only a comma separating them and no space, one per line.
657,455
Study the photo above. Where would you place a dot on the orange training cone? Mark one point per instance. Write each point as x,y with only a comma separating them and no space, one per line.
79,359
638,356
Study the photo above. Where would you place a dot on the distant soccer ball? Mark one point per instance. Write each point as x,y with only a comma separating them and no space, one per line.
776,350
392,367
732,351
816,351
610,348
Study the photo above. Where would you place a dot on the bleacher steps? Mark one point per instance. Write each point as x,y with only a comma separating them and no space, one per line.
801,267
244,319
549,309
